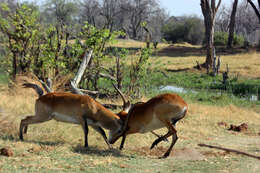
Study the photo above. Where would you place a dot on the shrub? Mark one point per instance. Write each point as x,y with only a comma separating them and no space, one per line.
221,39
184,29
238,40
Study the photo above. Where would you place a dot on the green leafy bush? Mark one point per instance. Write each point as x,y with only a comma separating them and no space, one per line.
184,29
221,39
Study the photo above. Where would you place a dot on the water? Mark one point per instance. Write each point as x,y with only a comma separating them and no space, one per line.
183,90
176,89
173,89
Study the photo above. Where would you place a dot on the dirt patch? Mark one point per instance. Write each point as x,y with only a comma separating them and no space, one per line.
183,153
240,128
37,149
6,151
222,123
215,154
124,166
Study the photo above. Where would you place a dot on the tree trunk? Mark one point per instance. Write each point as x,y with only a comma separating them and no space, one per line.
210,44
209,10
134,33
14,65
232,25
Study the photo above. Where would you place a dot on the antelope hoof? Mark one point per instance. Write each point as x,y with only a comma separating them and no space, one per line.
164,156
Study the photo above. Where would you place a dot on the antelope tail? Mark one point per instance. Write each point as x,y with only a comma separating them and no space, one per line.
35,87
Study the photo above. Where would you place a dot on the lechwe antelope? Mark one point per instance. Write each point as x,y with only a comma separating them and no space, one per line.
161,111
72,108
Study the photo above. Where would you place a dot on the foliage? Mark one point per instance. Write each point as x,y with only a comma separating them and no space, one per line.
139,73
184,29
63,12
21,29
96,39
221,39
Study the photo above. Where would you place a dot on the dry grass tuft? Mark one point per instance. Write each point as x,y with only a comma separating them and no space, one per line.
7,125
243,65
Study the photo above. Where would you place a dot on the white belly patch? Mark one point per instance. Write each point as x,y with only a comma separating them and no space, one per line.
65,118
70,119
153,125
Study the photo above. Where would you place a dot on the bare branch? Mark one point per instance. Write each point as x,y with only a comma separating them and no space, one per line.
107,76
255,8
83,66
230,150
219,2
75,89
89,92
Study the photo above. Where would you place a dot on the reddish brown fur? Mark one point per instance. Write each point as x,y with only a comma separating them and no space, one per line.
141,113
161,111
73,108
77,105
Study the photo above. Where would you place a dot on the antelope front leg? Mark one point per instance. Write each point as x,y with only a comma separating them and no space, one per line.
103,134
123,141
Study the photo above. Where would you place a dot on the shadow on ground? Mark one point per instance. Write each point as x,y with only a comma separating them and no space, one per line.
183,51
97,151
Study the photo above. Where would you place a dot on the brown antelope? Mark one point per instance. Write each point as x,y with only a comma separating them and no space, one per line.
161,111
72,108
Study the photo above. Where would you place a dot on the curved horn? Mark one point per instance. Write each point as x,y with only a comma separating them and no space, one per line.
120,93
126,105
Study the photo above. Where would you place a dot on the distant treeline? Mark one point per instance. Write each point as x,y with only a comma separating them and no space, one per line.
129,16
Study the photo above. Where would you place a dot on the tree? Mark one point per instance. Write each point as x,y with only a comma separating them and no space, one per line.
90,12
232,24
139,11
156,22
20,26
209,10
222,19
110,11
246,21
60,11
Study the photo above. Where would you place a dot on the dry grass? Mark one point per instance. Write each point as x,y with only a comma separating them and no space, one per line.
55,146
245,65
133,44
184,56
201,120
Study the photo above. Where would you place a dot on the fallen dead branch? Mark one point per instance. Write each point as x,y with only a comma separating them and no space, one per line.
230,150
